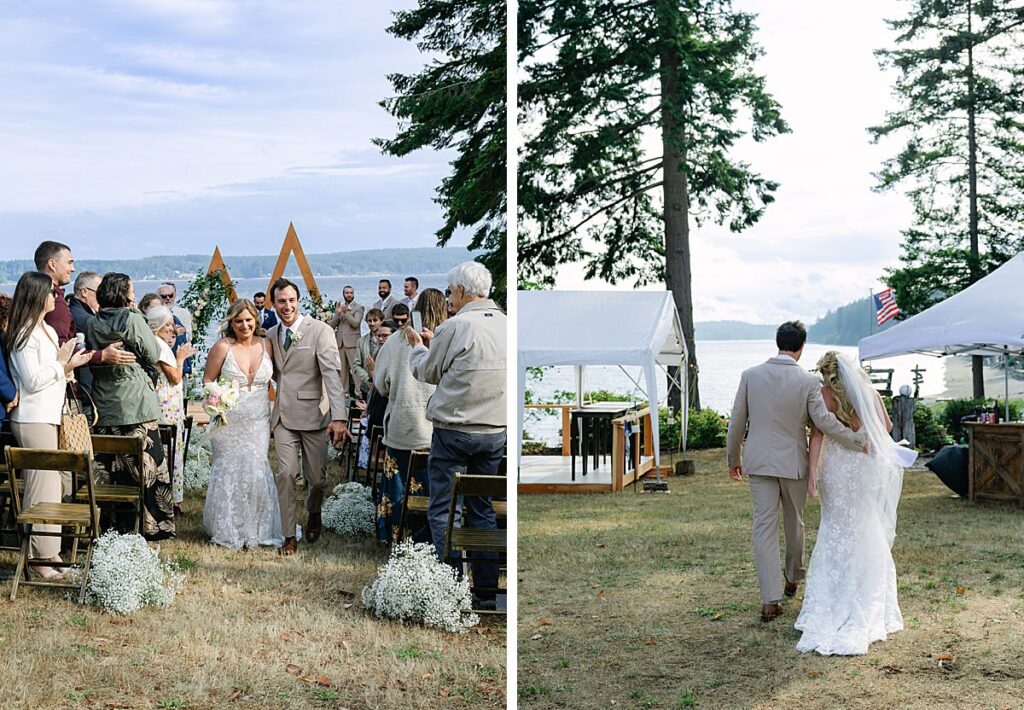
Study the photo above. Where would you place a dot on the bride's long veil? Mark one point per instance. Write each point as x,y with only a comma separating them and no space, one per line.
887,459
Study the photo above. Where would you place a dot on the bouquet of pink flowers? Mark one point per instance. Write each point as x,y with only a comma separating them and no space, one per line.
221,397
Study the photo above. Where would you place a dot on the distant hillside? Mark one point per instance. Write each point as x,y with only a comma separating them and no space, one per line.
732,330
846,324
429,260
843,326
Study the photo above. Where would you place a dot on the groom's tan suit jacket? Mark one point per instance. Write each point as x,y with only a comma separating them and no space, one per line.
308,378
774,403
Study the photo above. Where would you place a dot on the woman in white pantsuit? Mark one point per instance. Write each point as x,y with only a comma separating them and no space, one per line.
40,369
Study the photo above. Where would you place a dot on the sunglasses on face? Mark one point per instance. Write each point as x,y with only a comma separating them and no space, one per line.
401,320
167,296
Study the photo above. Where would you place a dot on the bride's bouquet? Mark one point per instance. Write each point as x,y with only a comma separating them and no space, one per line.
221,398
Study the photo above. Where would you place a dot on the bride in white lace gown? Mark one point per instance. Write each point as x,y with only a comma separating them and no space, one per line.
242,508
850,598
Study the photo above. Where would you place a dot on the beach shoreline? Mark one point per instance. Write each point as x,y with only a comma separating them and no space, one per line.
958,382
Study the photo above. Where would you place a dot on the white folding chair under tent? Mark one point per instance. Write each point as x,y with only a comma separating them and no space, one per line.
613,328
983,319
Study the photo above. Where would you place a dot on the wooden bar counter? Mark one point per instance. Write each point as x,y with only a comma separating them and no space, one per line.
996,462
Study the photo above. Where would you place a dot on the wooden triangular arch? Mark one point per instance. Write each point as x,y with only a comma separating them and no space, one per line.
217,264
292,246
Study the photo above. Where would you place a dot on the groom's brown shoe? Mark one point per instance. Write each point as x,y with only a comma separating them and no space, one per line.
790,589
314,527
770,611
289,547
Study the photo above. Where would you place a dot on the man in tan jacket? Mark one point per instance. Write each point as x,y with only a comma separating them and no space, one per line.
465,358
309,407
773,404
348,317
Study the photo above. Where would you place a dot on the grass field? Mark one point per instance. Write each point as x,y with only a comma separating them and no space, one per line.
249,630
650,601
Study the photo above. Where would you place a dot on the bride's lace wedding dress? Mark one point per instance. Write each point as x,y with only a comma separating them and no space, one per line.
850,597
242,508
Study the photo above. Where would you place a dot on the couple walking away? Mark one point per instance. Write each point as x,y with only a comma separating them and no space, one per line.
247,504
851,461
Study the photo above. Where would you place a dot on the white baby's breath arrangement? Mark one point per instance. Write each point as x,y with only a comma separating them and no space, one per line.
197,465
127,574
414,586
349,510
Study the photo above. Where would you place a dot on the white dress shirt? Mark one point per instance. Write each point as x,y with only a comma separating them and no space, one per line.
294,327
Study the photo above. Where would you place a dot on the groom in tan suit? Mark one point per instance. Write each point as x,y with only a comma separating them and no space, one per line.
309,407
773,404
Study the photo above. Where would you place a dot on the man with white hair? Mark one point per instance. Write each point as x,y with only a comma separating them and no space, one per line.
465,358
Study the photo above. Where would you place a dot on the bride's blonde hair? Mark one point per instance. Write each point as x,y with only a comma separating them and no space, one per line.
236,307
828,368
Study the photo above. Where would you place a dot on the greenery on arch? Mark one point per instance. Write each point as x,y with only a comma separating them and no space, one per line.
207,299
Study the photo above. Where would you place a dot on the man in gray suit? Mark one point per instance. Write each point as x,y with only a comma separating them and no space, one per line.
774,402
348,317
309,407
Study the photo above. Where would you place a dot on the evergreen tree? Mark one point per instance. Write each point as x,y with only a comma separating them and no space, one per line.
458,101
630,110
961,89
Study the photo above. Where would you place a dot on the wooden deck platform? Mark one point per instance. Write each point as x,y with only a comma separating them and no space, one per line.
553,474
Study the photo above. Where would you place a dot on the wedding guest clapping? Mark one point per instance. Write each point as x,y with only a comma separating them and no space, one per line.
170,390
366,348
41,369
465,358
126,401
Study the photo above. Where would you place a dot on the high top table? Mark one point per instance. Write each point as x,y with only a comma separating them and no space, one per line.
591,421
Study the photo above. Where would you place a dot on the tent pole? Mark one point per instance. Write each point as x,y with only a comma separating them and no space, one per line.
1006,382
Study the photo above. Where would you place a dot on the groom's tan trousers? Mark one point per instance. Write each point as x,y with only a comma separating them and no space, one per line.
769,493
287,443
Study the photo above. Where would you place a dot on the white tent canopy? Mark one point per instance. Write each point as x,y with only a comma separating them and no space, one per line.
983,319
580,328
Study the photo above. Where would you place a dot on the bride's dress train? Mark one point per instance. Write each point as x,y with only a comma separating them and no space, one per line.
850,596
242,508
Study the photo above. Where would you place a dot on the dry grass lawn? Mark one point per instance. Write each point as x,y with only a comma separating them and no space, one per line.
249,630
651,601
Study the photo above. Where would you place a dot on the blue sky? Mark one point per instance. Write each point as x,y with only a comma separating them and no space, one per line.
165,126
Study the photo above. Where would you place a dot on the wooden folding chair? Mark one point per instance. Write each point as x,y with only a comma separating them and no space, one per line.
350,454
413,506
10,531
473,539
113,494
187,437
376,459
82,518
169,439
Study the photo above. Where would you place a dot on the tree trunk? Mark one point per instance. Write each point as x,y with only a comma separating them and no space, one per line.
677,227
977,367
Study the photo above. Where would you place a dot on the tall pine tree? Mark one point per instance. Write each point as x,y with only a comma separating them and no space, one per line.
458,101
630,110
960,84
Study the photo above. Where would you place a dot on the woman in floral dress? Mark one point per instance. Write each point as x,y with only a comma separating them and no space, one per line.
169,390
406,427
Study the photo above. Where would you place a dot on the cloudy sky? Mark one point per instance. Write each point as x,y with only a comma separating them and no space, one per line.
136,127
828,237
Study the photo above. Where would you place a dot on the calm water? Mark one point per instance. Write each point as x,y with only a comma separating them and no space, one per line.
721,363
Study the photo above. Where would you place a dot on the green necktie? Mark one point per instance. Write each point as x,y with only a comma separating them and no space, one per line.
287,339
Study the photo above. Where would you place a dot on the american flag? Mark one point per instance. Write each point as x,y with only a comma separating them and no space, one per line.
885,306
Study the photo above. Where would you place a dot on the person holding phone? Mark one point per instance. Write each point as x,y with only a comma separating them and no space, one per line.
41,370
406,427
